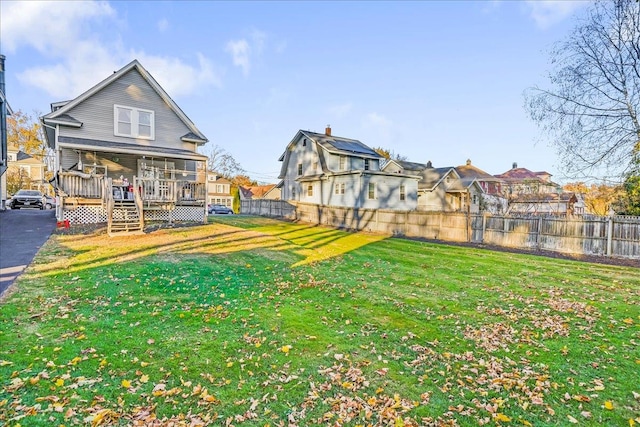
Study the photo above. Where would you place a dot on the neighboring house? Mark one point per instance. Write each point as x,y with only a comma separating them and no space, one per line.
492,199
5,111
269,191
218,190
329,170
546,204
523,181
440,189
125,149
27,171
534,193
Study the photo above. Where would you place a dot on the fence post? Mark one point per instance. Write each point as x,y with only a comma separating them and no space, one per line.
610,236
484,226
538,231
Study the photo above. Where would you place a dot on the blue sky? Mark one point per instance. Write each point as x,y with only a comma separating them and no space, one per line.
440,81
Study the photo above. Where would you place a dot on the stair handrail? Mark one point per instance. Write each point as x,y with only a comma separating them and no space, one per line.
108,202
138,200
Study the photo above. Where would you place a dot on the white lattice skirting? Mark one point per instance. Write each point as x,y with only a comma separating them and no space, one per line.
96,214
85,215
181,213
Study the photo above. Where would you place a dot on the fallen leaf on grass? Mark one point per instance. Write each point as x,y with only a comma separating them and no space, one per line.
608,405
501,417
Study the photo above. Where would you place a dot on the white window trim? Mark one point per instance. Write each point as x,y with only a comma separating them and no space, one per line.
135,129
369,191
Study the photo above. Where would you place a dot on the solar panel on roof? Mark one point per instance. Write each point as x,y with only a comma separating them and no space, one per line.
351,146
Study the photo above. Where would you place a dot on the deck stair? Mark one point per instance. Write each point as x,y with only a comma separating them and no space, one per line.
125,218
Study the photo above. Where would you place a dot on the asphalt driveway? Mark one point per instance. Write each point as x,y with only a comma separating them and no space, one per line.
22,233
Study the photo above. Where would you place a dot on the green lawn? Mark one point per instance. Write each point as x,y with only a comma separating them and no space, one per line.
249,321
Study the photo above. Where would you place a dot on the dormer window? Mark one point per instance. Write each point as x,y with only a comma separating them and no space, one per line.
343,163
366,164
133,122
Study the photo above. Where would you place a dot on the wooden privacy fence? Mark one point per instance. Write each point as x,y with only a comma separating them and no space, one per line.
617,236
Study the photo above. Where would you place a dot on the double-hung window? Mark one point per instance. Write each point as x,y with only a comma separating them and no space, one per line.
133,122
372,191
366,164
403,192
310,190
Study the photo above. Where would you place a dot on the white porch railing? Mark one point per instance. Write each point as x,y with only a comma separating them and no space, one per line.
81,185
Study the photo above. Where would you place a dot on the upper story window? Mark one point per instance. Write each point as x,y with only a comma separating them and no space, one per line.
372,191
403,192
366,164
219,188
310,190
299,169
343,163
133,122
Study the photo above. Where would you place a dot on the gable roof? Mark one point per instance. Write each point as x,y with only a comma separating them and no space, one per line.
522,174
335,144
61,109
330,143
256,191
468,171
341,145
431,177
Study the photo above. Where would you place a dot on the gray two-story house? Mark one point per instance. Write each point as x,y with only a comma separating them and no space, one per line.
329,170
126,152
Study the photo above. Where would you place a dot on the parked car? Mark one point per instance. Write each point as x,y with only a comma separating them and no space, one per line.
27,199
220,209
50,202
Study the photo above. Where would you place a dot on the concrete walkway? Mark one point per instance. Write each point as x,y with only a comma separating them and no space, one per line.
22,233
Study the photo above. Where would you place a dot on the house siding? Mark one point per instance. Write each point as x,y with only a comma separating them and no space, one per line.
308,157
131,90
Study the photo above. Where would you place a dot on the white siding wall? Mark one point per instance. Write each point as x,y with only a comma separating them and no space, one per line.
96,114
308,156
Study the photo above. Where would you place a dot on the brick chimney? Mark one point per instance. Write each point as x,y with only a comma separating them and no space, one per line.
327,130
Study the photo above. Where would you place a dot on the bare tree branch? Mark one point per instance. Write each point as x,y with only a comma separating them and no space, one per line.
590,110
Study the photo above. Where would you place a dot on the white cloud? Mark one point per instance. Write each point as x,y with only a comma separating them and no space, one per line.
49,28
549,12
79,58
163,25
245,51
340,110
240,50
377,120
178,78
